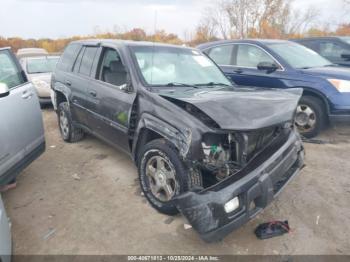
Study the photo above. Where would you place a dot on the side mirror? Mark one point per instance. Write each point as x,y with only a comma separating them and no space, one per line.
4,90
267,66
127,87
345,56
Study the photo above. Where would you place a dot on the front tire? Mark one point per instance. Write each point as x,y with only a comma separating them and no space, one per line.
163,175
69,132
311,117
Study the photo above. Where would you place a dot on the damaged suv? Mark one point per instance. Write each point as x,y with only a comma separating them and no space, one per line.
217,154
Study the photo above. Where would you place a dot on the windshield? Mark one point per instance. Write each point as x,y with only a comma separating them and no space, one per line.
298,56
161,66
41,65
346,39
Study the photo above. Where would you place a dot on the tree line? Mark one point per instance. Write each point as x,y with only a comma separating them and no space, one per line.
279,19
223,19
57,45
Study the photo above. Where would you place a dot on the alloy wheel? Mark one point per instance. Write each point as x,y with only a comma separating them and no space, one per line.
161,176
306,118
64,124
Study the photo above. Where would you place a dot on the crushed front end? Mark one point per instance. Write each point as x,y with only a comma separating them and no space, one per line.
242,172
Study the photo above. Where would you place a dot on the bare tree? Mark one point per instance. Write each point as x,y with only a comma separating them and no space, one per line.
346,9
300,22
215,17
257,18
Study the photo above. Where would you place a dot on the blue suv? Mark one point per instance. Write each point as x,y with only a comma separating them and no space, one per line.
285,64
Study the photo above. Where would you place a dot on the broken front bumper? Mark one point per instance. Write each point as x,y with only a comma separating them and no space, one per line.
255,186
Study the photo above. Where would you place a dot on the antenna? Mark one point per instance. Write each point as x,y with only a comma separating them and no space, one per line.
154,40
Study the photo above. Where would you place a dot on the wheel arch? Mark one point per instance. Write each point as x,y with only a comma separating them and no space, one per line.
145,136
312,92
151,128
61,94
60,97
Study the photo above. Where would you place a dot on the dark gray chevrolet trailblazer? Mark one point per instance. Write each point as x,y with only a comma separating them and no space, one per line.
217,154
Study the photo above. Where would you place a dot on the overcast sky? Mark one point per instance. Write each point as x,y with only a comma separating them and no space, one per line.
63,18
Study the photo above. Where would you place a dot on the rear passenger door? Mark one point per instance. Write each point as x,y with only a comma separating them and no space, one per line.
84,103
66,80
21,126
115,99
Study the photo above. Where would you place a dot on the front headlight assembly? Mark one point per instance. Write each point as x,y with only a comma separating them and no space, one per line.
343,86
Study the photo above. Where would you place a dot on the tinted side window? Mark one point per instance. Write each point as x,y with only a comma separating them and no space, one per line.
87,60
329,49
251,56
78,60
112,70
10,74
68,58
221,54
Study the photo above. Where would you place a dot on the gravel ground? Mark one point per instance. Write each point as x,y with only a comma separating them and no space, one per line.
85,198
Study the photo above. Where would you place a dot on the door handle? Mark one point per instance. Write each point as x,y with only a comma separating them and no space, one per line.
93,93
238,71
27,95
68,83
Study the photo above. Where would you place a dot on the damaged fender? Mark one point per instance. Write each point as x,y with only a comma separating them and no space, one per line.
181,140
58,87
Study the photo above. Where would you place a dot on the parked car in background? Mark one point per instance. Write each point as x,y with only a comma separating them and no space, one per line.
217,154
284,64
5,235
336,49
31,52
21,127
38,66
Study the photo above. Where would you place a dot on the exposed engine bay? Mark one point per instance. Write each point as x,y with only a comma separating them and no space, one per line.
221,155
226,154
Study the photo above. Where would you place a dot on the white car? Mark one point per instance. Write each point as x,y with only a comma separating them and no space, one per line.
38,66
31,52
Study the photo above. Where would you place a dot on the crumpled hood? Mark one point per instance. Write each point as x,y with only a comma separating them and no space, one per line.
329,72
242,108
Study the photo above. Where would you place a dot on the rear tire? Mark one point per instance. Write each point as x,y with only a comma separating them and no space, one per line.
311,116
69,132
162,171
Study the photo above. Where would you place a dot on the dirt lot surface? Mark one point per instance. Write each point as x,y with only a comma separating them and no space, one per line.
84,198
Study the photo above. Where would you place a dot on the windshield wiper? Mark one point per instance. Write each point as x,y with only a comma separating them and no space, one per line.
213,84
173,84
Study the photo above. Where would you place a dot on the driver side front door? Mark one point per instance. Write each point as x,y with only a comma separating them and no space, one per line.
242,69
115,99
245,71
